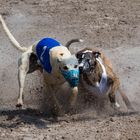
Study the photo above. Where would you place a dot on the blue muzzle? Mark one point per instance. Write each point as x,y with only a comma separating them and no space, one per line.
71,76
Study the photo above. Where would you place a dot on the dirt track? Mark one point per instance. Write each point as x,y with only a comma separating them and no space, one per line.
111,25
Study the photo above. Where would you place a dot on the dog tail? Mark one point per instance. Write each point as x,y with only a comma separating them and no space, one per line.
73,41
125,99
11,37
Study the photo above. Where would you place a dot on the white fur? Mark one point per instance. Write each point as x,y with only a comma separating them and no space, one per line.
87,51
117,104
81,40
81,65
103,81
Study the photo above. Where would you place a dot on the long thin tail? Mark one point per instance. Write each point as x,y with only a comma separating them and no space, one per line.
11,37
125,99
73,41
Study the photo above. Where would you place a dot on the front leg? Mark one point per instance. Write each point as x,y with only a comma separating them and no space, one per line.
114,84
22,72
73,96
73,99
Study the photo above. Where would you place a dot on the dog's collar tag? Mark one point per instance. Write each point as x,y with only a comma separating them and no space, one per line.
42,50
103,81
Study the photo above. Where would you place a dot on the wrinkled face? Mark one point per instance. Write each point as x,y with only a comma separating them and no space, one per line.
87,60
70,70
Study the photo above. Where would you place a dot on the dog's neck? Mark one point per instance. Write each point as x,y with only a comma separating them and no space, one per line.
96,80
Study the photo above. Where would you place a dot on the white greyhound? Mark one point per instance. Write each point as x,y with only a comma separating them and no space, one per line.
58,66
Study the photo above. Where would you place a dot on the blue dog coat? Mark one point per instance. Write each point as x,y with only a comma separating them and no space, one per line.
42,51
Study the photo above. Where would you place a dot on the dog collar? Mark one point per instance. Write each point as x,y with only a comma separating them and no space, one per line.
42,50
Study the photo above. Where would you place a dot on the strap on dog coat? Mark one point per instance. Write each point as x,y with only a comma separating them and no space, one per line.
42,50
103,81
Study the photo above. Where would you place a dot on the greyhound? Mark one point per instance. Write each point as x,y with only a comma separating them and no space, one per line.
54,60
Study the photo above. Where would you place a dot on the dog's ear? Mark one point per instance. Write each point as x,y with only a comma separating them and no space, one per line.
96,54
79,54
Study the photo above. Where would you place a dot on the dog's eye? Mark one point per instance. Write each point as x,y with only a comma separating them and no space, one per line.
75,66
65,68
61,54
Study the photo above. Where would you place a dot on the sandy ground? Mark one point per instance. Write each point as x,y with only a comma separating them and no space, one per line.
111,25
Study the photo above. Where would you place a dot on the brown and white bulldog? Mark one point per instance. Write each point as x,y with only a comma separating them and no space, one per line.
97,76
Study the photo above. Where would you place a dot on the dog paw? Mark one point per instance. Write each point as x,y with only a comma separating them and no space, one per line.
19,104
115,105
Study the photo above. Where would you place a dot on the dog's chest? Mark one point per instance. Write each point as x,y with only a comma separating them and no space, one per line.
96,81
93,86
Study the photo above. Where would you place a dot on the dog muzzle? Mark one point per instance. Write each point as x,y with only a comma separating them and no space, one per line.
71,76
85,66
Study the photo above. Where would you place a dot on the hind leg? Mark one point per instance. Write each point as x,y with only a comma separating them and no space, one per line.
22,72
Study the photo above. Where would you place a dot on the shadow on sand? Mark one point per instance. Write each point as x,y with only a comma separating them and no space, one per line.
15,118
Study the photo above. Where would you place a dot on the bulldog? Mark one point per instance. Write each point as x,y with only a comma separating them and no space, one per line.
97,76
